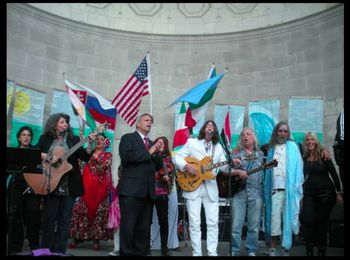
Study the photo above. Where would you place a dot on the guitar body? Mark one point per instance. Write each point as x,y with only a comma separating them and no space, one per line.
188,182
236,182
52,173
41,182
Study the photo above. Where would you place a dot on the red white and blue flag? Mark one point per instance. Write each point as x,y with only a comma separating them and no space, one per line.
128,100
100,109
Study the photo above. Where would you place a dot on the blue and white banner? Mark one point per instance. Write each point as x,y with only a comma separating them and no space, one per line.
306,115
28,110
9,92
263,116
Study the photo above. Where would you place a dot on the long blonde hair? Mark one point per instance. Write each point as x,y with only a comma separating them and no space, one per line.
318,148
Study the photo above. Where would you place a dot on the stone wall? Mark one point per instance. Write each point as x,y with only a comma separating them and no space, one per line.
301,58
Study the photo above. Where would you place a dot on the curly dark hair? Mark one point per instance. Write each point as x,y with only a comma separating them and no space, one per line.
51,123
215,138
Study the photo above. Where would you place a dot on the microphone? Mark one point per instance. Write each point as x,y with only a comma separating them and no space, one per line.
63,132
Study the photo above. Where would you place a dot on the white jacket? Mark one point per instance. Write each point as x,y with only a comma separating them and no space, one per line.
196,148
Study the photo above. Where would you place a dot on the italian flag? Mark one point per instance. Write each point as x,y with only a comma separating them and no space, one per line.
227,127
181,132
80,108
197,111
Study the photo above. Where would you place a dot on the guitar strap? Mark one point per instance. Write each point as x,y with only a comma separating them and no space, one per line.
212,153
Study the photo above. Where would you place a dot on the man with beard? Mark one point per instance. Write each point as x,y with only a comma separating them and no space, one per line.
283,189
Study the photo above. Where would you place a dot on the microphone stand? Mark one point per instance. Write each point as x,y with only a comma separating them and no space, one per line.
229,197
48,173
230,166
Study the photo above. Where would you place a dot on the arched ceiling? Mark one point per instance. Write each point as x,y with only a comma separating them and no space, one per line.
183,18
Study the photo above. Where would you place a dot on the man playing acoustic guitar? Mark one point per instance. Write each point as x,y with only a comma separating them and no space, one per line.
248,199
205,191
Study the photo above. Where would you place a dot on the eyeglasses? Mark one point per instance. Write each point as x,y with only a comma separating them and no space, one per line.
282,131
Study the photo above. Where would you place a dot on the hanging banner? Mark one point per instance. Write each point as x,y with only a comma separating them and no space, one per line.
236,120
9,92
263,116
28,110
62,104
305,115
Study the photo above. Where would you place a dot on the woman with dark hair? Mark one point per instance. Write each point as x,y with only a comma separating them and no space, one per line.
24,137
20,207
57,212
164,183
206,145
90,212
322,190
32,201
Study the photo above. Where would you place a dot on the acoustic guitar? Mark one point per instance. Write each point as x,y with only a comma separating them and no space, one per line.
236,182
47,182
204,168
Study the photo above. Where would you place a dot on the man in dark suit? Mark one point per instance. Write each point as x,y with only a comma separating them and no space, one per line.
140,160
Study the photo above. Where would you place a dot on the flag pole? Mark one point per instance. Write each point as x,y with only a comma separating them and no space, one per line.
81,128
211,70
149,81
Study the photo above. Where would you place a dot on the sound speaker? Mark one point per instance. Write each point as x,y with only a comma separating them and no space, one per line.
224,223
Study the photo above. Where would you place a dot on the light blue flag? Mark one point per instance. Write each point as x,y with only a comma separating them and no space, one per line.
195,94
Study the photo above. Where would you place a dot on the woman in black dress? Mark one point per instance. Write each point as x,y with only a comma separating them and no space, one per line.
321,190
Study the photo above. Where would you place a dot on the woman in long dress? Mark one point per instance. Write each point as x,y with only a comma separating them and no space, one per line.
90,212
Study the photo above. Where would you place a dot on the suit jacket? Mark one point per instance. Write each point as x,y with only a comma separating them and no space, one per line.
75,184
138,167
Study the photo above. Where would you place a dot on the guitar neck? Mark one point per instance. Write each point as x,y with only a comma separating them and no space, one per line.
82,141
74,148
215,165
259,168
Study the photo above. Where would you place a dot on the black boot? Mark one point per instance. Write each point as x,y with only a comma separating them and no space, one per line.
166,252
148,250
321,252
309,251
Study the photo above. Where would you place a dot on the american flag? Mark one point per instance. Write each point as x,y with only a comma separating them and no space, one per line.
128,99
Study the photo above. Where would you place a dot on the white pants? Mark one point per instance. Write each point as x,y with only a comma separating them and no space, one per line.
116,239
211,209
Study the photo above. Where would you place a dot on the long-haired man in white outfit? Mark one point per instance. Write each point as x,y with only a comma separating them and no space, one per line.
207,144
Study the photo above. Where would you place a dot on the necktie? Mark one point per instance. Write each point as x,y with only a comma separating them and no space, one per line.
146,143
